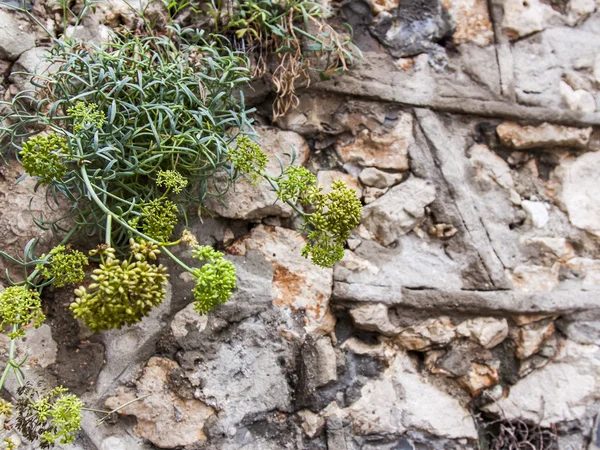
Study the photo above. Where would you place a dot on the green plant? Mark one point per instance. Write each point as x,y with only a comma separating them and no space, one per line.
293,33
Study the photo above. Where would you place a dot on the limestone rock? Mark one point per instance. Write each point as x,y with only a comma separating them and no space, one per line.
578,100
493,169
472,21
552,249
537,213
561,391
325,178
479,378
370,194
579,192
15,36
524,18
529,338
428,334
376,178
543,136
19,204
534,278
385,151
487,331
312,424
597,68
187,319
398,211
374,317
297,283
250,202
589,269
383,5
39,347
164,418
403,399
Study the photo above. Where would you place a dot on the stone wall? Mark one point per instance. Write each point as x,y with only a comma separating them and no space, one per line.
467,304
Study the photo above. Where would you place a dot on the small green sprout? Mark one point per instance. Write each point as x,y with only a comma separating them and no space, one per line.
215,280
20,307
65,266
42,157
85,115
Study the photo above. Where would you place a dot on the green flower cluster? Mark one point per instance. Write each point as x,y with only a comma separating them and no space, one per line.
248,158
86,114
53,418
65,266
123,292
335,215
295,184
41,157
171,180
215,280
6,408
159,217
19,307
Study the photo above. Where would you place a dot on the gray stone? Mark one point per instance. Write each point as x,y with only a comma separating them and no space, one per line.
30,62
543,397
16,36
378,178
487,331
399,211
403,399
374,317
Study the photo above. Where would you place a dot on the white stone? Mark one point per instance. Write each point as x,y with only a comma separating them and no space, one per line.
537,213
561,391
487,331
398,211
578,100
472,21
522,18
312,423
534,278
580,9
493,169
554,249
374,317
376,178
580,190
590,268
529,338
403,399
597,68
356,264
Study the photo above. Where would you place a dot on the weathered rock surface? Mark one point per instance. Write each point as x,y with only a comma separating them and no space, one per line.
163,417
403,399
297,283
543,136
387,150
399,211
561,391
580,191
16,36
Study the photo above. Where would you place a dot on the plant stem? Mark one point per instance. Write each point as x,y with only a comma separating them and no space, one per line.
11,358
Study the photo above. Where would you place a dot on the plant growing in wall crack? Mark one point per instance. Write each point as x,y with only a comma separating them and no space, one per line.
132,134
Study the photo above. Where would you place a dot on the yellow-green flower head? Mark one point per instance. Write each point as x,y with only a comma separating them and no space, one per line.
336,214
53,418
215,280
20,307
159,217
6,408
295,183
122,292
65,266
86,115
247,157
171,180
42,157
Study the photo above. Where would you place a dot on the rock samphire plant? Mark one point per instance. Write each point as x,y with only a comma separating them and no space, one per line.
132,136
